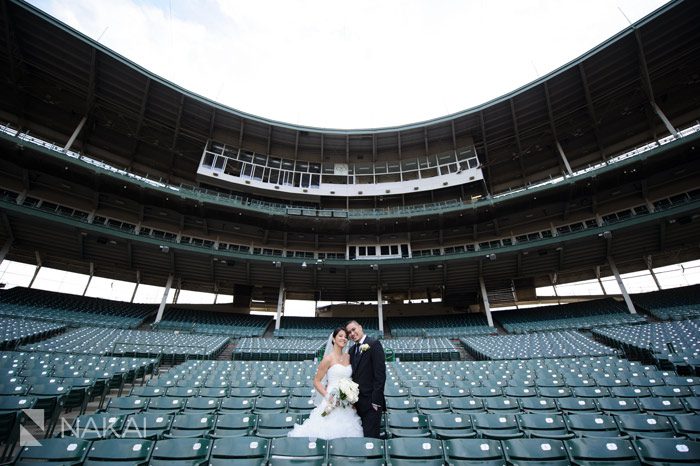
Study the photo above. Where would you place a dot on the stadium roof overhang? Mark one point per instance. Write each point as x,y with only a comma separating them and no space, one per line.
599,104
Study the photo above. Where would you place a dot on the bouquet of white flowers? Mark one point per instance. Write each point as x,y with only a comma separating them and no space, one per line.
345,394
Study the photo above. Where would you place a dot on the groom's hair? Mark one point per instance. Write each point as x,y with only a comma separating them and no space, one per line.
353,321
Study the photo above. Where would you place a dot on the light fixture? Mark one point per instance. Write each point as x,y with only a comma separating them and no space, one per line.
303,265
374,267
164,249
491,256
277,264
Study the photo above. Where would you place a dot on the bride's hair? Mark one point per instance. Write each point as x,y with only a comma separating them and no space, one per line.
337,331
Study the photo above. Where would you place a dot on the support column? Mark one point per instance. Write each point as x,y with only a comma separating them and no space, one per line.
75,133
380,310
36,271
600,282
280,306
92,273
564,159
177,290
647,260
663,118
138,282
628,301
5,249
485,299
553,281
161,308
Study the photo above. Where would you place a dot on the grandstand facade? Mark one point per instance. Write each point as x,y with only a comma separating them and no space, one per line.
588,168
588,172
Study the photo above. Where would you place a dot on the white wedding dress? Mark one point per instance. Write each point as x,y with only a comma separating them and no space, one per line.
341,422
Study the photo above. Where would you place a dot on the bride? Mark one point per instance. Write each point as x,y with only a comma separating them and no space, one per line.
341,422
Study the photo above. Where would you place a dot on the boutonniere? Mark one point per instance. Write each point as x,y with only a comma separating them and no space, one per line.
364,348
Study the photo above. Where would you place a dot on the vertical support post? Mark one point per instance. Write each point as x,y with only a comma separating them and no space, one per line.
75,134
564,159
600,282
647,260
280,306
138,282
92,274
380,310
553,281
5,249
166,292
663,118
485,299
628,301
38,267
177,290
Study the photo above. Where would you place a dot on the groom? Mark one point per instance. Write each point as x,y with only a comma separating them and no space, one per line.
369,372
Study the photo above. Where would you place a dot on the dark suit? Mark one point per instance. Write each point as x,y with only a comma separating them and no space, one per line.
369,372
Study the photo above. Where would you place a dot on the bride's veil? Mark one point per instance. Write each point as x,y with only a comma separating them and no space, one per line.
316,397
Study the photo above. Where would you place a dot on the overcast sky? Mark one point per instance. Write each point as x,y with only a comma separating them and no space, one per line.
351,64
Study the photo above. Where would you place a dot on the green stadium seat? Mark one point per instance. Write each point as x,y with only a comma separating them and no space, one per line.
662,406
665,452
455,392
602,452
688,426
592,425
240,451
298,451
234,425
590,392
476,452
414,451
166,405
577,405
639,426
501,404
148,392
407,425
692,404
450,426
270,405
191,425
467,405
244,392
400,404
202,405
127,404
496,426
364,451
97,426
550,426
630,392
399,392
533,404
68,451
273,425
119,452
298,404
617,405
671,392
149,426
432,405
536,452
181,452
237,405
